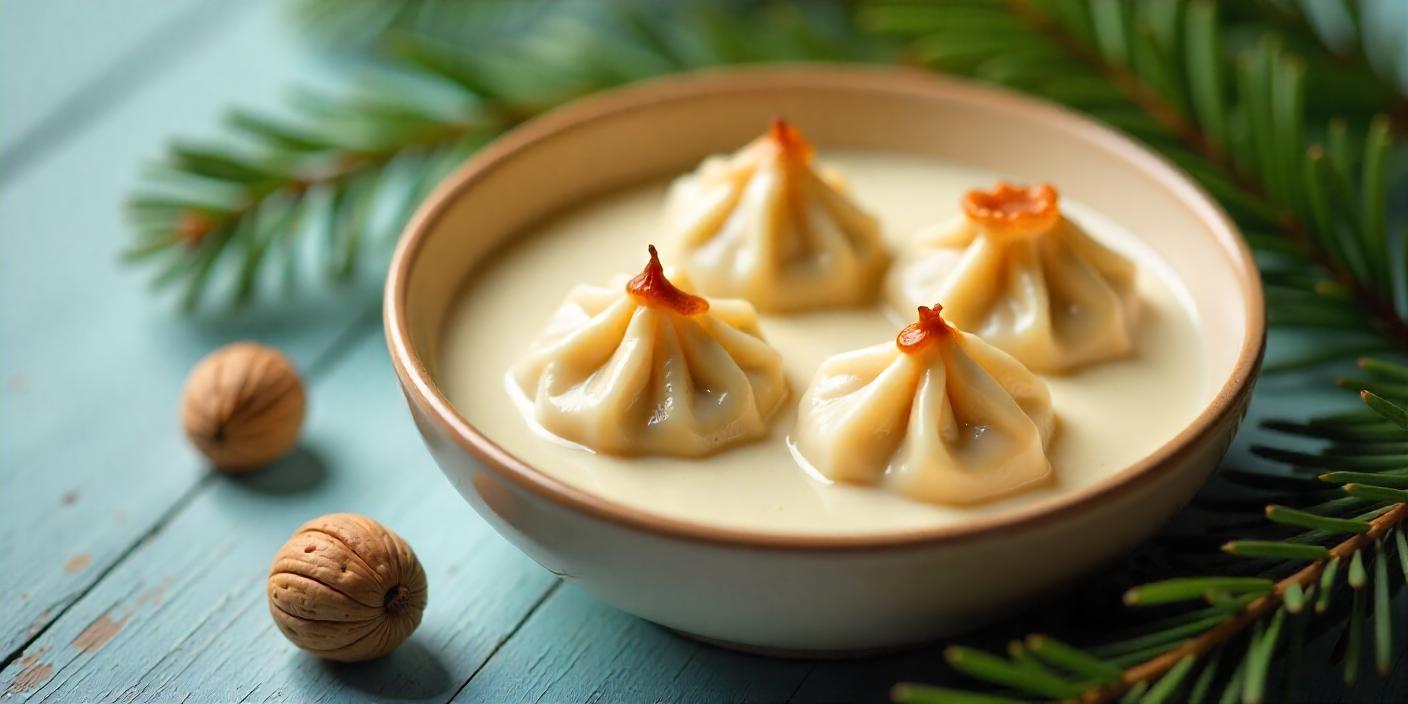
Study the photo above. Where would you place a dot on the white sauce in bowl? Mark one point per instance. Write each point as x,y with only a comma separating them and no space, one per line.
1110,415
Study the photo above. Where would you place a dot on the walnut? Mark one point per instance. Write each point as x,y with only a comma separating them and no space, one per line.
243,406
346,588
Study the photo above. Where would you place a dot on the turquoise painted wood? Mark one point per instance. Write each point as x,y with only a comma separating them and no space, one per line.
575,649
96,53
186,616
132,573
91,365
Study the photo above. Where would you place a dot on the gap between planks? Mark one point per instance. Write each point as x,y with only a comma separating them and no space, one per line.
801,683
542,599
324,361
161,522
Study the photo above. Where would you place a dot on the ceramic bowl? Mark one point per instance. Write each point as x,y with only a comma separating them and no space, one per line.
817,594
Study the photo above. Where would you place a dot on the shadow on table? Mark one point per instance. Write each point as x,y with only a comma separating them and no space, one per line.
411,672
284,316
300,471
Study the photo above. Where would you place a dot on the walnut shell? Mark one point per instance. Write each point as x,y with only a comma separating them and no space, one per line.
345,588
243,406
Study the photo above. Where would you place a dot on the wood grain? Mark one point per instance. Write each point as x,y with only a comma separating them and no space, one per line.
576,649
186,614
91,365
67,61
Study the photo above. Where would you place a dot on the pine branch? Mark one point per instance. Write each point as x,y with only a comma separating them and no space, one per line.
1332,548
1214,151
1353,34
353,167
365,24
1309,202
1303,580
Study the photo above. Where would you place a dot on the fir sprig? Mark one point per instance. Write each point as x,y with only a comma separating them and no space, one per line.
1363,35
1230,110
340,176
1240,625
219,203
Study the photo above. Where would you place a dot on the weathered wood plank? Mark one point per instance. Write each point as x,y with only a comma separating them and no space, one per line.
91,365
576,649
65,61
185,614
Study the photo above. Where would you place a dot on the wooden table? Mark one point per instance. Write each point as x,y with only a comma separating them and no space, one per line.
130,571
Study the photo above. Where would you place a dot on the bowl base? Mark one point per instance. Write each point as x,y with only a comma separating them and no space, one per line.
799,653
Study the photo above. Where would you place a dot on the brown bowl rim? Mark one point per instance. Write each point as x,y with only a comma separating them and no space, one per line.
422,391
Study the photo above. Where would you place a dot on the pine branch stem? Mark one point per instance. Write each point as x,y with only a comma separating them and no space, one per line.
1390,323
1138,92
1398,115
347,164
1345,57
1220,634
1380,309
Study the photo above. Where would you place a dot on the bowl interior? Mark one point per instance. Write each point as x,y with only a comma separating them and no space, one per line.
664,129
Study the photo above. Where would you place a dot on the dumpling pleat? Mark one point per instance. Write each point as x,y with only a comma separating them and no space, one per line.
1024,323
855,414
634,379
598,405
846,220
971,290
1054,300
1111,266
724,407
670,399
759,362
573,347
706,203
1016,381
1086,309
736,314
958,423
968,440
789,241
734,251
584,303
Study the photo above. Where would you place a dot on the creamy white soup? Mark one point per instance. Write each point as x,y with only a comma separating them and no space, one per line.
1110,415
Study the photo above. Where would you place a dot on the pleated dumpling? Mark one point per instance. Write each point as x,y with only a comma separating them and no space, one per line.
647,369
764,224
1013,270
938,415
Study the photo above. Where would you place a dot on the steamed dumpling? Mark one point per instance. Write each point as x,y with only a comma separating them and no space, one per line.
938,415
645,368
1016,272
765,225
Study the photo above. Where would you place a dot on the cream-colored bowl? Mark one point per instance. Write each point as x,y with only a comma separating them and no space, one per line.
816,593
